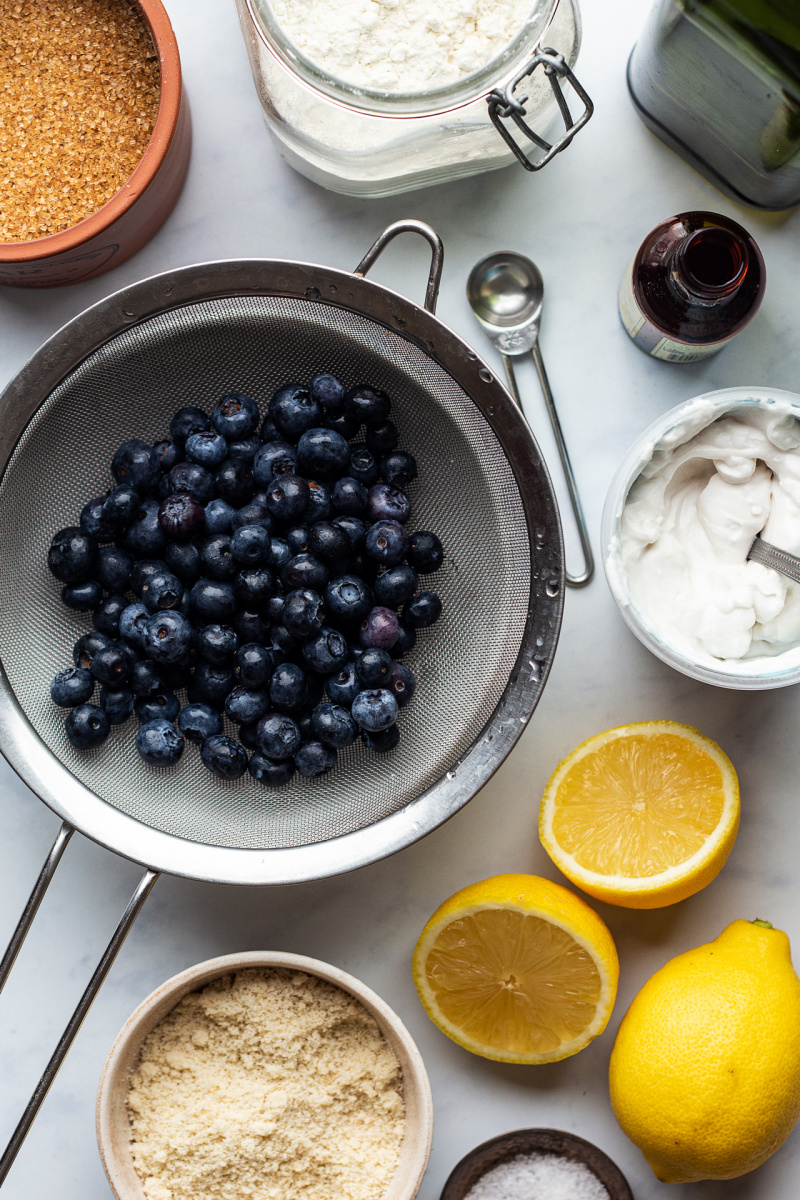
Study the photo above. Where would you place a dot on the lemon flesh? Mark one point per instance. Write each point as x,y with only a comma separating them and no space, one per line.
517,969
643,815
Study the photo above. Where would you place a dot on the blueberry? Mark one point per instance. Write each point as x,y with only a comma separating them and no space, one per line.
383,438
251,514
161,590
87,726
121,506
253,666
72,555
344,686
304,571
210,684
145,679
192,478
71,687
251,545
344,425
128,652
94,521
244,449
252,588
234,482
288,688
277,736
168,454
303,612
167,637
297,539
183,560
271,774
381,741
163,488
323,454
347,599
162,704
326,652
319,503
142,571
251,627
245,706
107,615
216,557
207,449
396,585
83,597
387,542
109,665
279,553
402,683
159,743
425,552
398,469
132,622
136,464
269,432
213,601
117,704
380,629
282,641
406,641
386,503
334,726
274,609
223,756
374,709
369,406
235,416
113,569
217,644
144,537
355,529
313,758
349,497
272,460
181,516
293,410
287,497
187,421
328,542
219,516
363,465
374,668
329,392
422,610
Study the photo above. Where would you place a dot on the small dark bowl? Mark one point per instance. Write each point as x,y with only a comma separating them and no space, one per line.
534,1141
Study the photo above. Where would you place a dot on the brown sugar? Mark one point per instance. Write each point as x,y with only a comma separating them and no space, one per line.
79,93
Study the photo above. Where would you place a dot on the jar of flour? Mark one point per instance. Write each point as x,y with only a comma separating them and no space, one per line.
375,97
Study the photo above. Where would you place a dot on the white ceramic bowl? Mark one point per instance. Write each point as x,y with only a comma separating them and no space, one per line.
673,428
113,1129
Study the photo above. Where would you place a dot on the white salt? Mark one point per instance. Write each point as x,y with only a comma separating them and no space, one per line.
538,1177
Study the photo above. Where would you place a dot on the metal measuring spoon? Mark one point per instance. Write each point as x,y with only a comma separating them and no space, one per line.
505,291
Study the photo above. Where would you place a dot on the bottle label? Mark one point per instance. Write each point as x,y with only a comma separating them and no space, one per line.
651,339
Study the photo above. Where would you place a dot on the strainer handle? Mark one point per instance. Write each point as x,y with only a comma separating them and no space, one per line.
84,1004
437,254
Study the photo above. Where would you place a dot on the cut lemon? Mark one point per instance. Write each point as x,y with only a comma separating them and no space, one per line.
517,969
643,815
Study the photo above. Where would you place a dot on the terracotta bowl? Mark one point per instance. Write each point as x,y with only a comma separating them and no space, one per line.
130,218
489,1154
113,1130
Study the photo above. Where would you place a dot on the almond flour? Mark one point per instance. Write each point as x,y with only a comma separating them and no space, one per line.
266,1085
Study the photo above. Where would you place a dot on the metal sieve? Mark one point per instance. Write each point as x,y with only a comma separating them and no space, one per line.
118,371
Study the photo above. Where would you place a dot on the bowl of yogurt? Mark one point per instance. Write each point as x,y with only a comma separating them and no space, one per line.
679,520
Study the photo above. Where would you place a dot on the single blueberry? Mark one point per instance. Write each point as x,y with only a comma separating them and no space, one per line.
344,686
207,449
109,665
326,652
167,637
117,704
234,482
293,410
71,687
422,610
374,709
161,590
328,542
374,668
253,666
244,449
319,503
349,497
272,460
288,688
348,599
219,516
130,653
94,521
282,641
216,557
72,555
277,736
269,431
142,571
251,514
187,421
271,774
303,612
425,552
314,758
369,406
82,597
87,726
107,614
235,416
346,426
381,741
252,588
121,506
210,684
297,539
363,465
329,392
304,571
251,627
380,629
113,569
181,516
387,542
168,454
132,622
287,497
251,545
386,503
162,704
383,438
406,641
192,478
396,585
402,683
213,601
223,756
279,553
159,743
145,679
217,644
144,537
183,560
334,726
199,721
398,469
323,454
136,464
245,706
355,529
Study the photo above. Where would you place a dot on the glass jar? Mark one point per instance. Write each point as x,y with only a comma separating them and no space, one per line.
365,142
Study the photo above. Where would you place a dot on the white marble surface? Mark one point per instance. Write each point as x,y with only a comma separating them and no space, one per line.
580,220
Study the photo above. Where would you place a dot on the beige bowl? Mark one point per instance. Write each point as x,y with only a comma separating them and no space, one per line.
113,1130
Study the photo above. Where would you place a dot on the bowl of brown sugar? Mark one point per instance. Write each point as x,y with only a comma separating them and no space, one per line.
95,135
264,1075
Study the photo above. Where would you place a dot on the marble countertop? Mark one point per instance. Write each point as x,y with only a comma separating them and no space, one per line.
581,220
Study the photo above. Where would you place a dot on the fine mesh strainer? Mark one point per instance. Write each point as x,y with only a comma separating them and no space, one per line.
119,371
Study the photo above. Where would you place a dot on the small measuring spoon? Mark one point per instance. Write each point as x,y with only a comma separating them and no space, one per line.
505,291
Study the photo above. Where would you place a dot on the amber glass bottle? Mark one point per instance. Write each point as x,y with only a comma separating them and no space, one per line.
693,285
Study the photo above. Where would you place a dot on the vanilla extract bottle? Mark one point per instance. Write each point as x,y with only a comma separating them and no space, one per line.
695,282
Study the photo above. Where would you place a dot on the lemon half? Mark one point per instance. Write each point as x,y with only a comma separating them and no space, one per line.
643,815
517,969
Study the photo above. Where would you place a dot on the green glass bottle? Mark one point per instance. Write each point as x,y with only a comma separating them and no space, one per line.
719,82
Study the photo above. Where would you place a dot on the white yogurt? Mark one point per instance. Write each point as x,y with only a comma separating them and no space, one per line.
689,521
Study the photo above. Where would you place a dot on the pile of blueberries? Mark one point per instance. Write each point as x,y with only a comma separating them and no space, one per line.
274,580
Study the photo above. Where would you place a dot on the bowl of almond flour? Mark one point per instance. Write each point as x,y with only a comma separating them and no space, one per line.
269,1076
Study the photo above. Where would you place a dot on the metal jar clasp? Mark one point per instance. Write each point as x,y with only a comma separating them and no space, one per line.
504,106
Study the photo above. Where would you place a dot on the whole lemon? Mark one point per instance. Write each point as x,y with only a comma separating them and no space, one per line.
705,1071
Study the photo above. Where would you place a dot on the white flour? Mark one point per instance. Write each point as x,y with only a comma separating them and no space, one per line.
401,45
